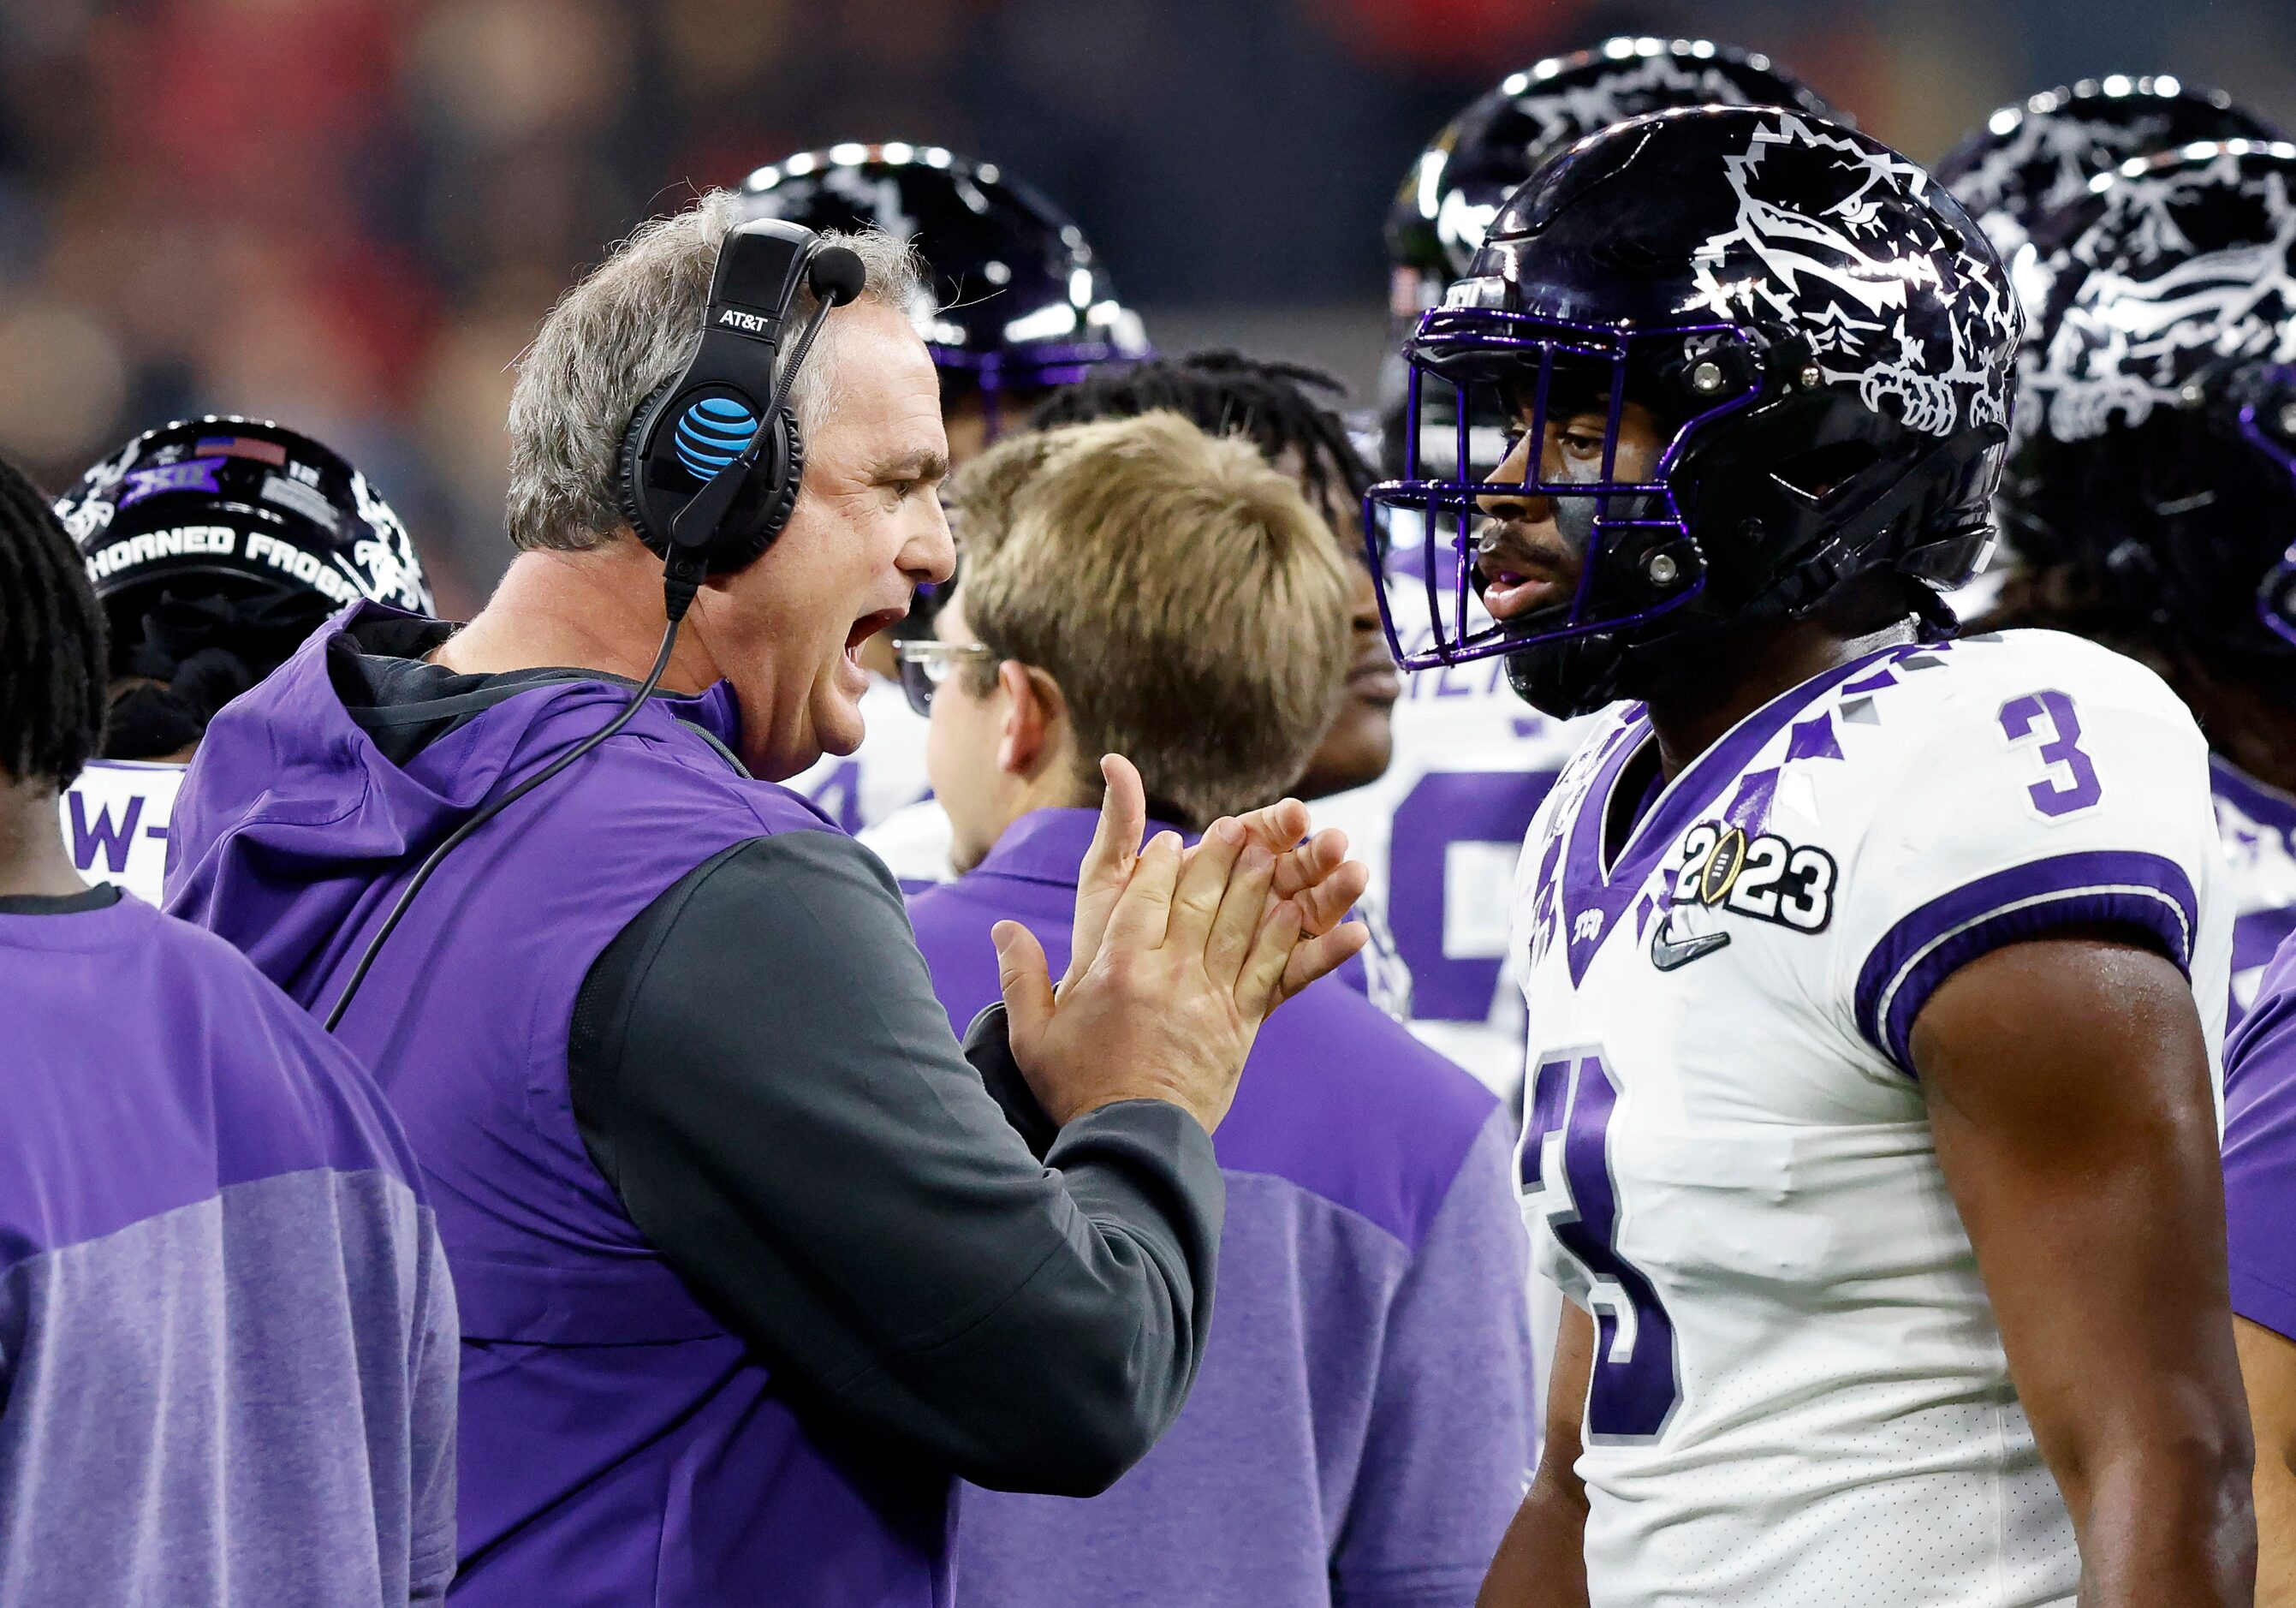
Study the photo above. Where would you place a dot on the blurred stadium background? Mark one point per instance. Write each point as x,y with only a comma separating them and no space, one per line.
349,214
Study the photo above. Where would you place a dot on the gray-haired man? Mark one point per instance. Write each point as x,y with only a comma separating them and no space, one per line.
751,1262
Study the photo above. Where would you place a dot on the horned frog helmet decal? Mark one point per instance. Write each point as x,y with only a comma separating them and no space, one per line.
1899,318
2189,261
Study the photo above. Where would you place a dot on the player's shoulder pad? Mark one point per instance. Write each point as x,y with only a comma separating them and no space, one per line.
1984,671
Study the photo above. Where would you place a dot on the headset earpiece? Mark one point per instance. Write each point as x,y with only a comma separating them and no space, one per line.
627,459
725,413
700,440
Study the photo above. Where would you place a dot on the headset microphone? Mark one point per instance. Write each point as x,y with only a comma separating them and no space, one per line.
707,477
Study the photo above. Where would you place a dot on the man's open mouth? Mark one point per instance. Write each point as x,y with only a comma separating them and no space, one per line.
1518,579
868,625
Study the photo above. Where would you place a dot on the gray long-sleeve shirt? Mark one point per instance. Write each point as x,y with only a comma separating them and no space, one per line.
784,1111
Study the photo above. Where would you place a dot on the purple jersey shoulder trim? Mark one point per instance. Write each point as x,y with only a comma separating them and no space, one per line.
2110,887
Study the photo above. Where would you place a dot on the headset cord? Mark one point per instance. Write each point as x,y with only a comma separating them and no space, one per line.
686,567
493,808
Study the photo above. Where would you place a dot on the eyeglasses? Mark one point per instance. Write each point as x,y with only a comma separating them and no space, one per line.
926,664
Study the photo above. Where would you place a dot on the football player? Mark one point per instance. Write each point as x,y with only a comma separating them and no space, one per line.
1874,980
2161,485
216,545
1441,825
231,1339
1023,308
2140,509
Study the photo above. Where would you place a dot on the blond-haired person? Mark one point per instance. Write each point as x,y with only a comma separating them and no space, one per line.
1359,1428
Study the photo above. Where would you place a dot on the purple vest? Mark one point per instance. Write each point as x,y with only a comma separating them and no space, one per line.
620,1446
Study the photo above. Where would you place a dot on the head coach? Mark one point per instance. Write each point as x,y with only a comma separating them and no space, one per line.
753,1260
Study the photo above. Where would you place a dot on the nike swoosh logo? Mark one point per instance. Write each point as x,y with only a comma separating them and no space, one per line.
1667,954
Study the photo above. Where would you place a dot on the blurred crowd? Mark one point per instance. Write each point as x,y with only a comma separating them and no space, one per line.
352,213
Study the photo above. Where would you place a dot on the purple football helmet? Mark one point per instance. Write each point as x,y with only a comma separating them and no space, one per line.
2161,456
2040,155
1454,189
1024,304
1822,336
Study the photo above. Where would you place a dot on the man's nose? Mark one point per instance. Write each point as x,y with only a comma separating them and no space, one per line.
930,556
1509,500
1512,506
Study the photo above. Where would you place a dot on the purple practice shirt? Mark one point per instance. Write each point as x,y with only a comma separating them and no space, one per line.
1360,1431
2259,1151
228,1339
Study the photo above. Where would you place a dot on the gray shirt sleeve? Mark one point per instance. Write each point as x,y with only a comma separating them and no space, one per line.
760,1066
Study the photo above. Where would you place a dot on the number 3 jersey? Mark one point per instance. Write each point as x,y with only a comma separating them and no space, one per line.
1799,1396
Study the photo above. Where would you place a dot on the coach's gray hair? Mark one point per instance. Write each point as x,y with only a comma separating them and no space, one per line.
632,325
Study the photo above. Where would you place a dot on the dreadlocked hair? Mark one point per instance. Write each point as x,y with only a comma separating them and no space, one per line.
1279,407
52,651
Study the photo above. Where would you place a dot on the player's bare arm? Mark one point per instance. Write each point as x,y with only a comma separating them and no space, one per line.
2069,1093
1542,1562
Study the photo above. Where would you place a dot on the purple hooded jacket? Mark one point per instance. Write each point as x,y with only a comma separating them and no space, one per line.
753,1261
619,1444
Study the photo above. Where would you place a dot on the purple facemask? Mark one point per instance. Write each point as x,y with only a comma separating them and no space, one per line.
1480,359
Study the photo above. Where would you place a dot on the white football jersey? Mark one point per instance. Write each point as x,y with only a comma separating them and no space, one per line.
1799,1396
1440,832
2258,824
915,842
115,819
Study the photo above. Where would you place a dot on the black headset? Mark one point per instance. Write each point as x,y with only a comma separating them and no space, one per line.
707,474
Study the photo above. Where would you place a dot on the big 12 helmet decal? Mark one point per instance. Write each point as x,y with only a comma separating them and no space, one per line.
241,504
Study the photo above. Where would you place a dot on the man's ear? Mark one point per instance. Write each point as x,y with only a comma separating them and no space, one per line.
1034,713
